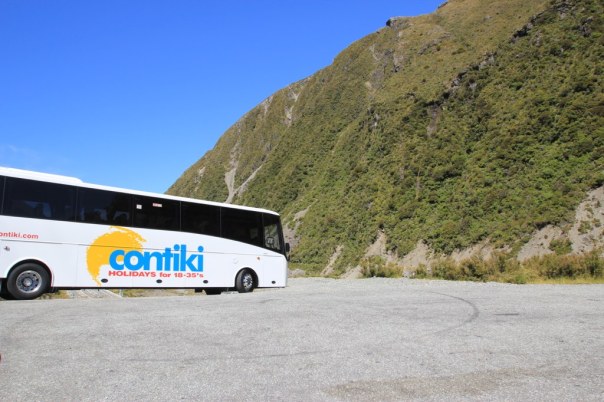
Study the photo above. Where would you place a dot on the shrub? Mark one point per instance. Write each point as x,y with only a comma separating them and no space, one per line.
518,279
561,246
421,272
445,268
585,227
477,269
376,266
504,268
554,266
594,264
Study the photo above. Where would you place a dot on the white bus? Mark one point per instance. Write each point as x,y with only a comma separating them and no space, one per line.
58,232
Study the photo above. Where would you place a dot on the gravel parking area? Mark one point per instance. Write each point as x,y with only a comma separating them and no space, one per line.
317,339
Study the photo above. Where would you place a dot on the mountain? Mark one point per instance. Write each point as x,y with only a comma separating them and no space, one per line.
481,123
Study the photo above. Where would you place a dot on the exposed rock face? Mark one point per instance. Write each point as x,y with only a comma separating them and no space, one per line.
540,243
587,232
290,229
330,265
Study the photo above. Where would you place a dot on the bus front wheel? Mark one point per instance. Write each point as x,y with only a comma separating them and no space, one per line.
27,281
245,282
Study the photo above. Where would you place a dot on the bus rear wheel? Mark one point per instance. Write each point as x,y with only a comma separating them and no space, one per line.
27,281
245,282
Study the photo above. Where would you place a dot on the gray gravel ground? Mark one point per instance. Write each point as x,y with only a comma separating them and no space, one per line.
317,339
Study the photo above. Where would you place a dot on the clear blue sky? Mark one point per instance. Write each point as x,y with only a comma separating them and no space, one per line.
130,93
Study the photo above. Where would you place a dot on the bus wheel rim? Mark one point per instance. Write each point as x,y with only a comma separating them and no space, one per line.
248,280
29,281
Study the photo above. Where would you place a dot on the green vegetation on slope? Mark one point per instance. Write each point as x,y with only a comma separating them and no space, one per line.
481,121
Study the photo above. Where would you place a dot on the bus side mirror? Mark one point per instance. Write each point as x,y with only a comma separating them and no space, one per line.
287,250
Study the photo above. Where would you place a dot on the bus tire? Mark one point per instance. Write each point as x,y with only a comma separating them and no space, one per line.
245,281
27,281
4,292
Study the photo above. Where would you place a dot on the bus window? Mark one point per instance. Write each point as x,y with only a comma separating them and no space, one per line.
199,218
242,225
272,232
41,200
105,207
156,213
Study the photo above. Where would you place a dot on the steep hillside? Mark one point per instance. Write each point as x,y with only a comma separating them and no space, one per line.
481,122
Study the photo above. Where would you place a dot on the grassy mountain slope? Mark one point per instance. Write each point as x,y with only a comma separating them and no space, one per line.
483,120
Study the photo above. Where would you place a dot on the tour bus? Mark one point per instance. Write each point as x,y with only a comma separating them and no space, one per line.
57,232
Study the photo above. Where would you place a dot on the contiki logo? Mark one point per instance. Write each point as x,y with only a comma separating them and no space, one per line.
122,250
166,261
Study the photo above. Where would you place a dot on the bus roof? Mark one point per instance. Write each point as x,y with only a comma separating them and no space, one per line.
74,181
